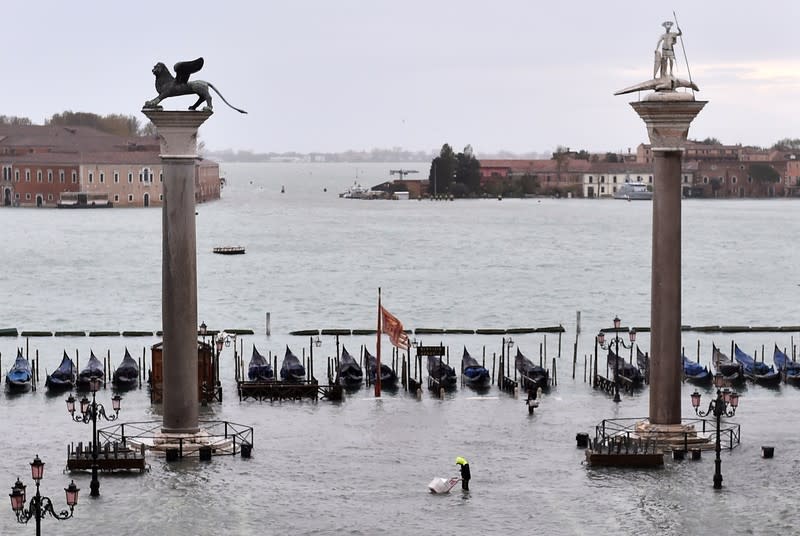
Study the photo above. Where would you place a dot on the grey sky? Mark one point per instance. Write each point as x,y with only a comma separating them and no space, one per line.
332,75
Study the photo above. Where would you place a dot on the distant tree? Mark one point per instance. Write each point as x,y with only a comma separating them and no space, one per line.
443,170
117,124
468,173
787,144
529,184
583,154
710,141
763,173
611,157
14,120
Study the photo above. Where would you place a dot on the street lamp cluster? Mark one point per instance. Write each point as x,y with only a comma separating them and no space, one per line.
89,413
617,340
724,404
40,506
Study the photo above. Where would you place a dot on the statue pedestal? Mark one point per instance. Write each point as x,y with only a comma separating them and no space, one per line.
177,132
667,116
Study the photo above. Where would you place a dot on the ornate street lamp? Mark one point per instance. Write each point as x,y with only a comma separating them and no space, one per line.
725,404
617,340
90,411
39,505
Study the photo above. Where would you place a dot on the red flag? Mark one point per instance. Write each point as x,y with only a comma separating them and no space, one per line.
394,329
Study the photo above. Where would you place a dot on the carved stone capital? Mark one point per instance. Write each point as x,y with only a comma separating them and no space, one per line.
177,131
668,121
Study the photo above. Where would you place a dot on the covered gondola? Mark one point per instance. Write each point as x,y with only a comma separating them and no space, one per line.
388,376
63,378
441,372
788,368
730,370
473,373
126,375
291,368
533,376
92,370
19,377
259,369
695,372
756,371
349,373
643,363
626,371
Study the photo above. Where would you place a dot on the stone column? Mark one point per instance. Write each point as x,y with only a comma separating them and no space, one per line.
667,115
177,132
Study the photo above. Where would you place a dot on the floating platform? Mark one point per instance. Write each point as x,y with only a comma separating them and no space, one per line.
111,457
229,250
275,390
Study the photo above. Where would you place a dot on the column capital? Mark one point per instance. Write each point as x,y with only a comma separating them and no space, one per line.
668,121
177,131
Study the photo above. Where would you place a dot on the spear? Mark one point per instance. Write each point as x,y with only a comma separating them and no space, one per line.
683,47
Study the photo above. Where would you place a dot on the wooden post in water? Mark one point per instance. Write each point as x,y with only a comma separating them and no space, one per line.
559,341
269,329
555,372
541,353
574,358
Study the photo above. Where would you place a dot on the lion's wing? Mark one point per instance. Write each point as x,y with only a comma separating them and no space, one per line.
184,69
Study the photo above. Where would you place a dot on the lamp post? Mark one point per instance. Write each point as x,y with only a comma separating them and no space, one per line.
203,332
90,411
725,404
39,506
220,340
617,340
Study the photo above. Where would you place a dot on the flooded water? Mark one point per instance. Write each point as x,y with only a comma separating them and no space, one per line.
316,261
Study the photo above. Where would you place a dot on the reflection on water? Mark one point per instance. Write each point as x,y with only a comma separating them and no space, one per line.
362,467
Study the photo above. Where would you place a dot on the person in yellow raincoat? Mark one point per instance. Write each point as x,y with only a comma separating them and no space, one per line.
465,474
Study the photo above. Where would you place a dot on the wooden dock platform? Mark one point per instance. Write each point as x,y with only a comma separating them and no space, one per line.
111,457
279,391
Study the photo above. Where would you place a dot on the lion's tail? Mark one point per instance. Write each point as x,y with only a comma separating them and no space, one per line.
223,99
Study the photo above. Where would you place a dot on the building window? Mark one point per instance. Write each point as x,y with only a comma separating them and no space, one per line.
160,197
61,176
615,180
116,177
130,177
28,197
705,180
650,179
91,177
602,180
590,179
602,189
27,175
116,198
49,175
74,177
16,175
685,179
733,180
749,179
49,197
39,175
102,177
161,176
16,196
130,198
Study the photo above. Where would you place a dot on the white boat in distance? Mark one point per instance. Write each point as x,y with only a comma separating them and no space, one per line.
356,191
633,191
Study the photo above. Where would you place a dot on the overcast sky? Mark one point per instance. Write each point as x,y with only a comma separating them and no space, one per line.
333,75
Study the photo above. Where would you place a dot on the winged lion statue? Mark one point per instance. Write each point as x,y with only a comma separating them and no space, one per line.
174,86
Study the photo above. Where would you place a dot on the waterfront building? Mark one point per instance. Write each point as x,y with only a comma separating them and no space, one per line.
39,163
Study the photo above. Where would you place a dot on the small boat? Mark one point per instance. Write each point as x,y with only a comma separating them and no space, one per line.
259,369
730,370
291,368
349,373
19,376
643,362
63,378
473,373
695,372
441,372
757,371
388,376
625,370
788,368
92,370
533,376
229,250
633,191
126,376
356,191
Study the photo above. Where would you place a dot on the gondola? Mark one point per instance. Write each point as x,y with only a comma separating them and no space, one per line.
349,373
259,369
473,373
730,370
442,374
19,376
63,378
626,371
388,376
126,375
695,372
533,376
291,368
756,371
788,368
643,362
92,370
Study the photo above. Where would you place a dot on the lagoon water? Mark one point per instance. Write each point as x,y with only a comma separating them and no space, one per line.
361,467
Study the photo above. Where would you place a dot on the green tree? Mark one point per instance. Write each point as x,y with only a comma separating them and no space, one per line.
14,120
468,173
710,141
443,170
611,157
763,173
117,124
787,144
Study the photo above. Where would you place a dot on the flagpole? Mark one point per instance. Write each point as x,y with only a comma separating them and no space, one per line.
378,351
